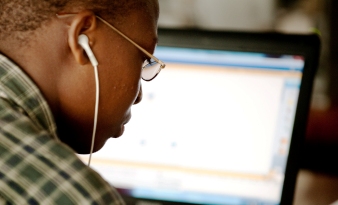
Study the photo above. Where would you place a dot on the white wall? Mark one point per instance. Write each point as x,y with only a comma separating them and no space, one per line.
218,14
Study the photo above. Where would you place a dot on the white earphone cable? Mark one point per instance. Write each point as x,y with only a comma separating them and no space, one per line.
97,94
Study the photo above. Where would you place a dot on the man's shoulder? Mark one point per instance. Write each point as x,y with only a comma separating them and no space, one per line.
38,169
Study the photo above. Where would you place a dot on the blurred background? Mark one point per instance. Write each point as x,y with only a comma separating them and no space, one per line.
318,179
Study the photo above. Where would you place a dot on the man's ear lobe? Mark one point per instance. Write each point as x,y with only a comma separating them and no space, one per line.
82,23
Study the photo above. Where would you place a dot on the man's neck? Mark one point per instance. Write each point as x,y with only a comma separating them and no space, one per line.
39,62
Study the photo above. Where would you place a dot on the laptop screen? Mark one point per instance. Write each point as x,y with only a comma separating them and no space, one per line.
213,128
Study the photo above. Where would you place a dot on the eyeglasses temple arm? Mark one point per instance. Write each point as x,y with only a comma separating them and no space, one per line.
119,32
127,38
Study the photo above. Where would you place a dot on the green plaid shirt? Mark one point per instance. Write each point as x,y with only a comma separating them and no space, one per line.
35,167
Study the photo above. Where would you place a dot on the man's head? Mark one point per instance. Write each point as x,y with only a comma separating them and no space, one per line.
21,17
46,48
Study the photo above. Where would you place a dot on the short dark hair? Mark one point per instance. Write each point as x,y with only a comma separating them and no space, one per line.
23,16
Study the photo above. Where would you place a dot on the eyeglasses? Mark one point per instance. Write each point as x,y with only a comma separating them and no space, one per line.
151,66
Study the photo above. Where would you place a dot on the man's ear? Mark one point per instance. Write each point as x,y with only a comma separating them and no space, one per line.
82,23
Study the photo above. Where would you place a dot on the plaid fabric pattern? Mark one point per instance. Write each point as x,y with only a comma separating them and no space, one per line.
35,167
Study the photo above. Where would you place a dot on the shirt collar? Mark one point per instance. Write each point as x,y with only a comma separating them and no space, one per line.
19,88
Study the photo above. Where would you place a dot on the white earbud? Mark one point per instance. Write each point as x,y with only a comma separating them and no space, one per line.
84,43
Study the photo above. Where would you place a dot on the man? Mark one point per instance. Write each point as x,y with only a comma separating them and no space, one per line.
47,92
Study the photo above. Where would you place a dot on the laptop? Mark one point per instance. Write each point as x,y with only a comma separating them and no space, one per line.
223,123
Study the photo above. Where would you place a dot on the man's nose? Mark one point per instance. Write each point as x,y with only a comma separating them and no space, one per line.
139,96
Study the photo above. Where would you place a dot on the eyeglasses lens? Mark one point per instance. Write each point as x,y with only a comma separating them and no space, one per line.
150,70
